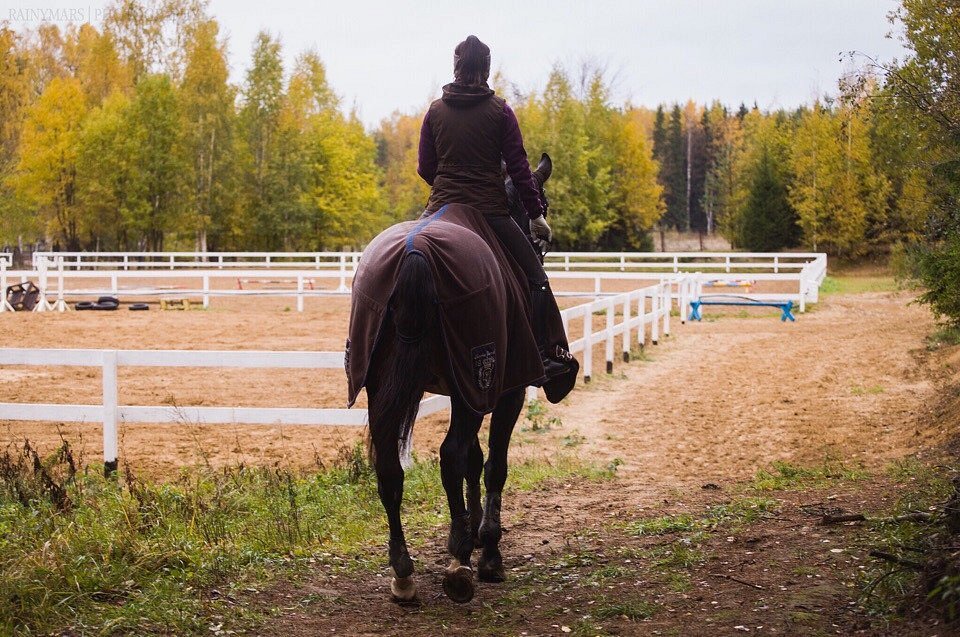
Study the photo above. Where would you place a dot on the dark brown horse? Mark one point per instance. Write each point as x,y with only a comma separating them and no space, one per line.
432,310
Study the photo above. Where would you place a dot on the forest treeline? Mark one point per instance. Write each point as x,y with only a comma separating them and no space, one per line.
131,136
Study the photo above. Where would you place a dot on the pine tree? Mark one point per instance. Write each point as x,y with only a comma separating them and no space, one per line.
768,222
673,169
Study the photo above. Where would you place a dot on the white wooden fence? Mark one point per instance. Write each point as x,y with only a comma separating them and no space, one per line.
641,312
292,275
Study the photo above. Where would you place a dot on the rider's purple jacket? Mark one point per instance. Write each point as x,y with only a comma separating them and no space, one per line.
464,136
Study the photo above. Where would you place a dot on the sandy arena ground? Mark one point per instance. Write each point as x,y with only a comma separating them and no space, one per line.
841,378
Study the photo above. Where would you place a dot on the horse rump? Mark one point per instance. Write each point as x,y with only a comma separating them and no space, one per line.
401,368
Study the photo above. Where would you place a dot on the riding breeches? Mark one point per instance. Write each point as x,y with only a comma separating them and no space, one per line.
518,245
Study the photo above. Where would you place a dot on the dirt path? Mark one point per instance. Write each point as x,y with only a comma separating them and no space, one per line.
850,383
721,399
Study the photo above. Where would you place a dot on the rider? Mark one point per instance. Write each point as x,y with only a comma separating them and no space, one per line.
465,136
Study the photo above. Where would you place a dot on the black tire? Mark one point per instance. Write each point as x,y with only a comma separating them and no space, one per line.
108,299
106,306
85,305
138,307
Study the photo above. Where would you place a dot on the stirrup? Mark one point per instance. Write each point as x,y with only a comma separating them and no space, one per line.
560,369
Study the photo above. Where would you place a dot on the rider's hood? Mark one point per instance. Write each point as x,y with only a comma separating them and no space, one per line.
456,94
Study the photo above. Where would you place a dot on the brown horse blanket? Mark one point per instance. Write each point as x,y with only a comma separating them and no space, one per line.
483,305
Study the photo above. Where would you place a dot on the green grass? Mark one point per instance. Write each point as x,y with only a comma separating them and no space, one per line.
842,284
944,337
633,610
860,390
781,476
89,554
887,588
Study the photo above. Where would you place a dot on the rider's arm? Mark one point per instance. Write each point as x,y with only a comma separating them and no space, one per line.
515,157
427,152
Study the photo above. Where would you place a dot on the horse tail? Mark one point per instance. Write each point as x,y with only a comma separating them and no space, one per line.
402,374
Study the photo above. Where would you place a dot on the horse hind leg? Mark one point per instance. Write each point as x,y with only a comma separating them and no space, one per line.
390,489
490,566
454,463
474,498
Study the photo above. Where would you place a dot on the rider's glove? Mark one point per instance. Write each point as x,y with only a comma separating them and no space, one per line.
540,229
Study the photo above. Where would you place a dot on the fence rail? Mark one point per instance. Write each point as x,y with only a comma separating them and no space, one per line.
60,274
641,312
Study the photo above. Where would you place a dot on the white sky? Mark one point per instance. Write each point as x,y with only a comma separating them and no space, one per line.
383,55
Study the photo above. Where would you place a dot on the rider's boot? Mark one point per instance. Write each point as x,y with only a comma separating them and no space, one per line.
559,365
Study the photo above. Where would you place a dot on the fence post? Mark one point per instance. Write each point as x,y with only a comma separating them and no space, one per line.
642,315
588,344
667,291
655,314
803,290
299,292
531,394
343,273
608,342
109,412
682,299
4,304
206,291
626,328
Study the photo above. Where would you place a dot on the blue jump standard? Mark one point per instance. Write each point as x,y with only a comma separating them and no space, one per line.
786,307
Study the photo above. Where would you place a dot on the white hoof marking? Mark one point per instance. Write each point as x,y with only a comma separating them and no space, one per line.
403,588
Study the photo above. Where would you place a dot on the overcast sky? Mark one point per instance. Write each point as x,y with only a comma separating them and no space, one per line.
384,55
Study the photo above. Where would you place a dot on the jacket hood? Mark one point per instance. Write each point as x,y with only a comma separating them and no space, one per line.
456,94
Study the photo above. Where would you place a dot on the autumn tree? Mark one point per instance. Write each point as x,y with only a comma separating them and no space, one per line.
397,140
208,128
46,173
835,189
14,98
112,188
156,126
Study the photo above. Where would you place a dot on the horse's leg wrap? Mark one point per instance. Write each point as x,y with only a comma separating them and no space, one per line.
400,558
474,504
475,509
490,567
460,541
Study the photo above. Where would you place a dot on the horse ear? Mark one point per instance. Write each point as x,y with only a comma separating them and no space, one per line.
544,168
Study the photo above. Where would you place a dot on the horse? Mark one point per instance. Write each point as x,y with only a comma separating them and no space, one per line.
410,353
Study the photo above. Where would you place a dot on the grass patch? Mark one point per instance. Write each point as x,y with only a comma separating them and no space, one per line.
632,610
740,511
886,589
538,418
872,390
944,337
87,554
782,476
842,284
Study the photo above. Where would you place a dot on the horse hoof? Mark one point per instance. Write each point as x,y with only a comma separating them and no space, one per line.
458,584
403,589
491,573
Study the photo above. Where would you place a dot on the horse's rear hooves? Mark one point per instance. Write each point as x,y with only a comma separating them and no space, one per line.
403,589
458,584
491,574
